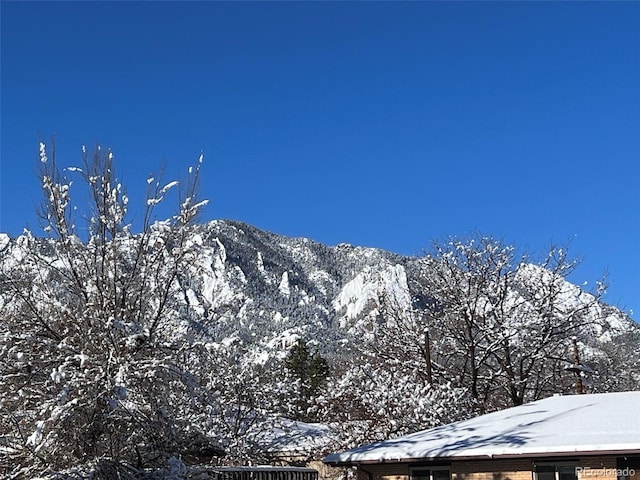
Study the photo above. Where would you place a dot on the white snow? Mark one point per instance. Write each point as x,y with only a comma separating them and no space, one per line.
168,186
216,289
284,340
43,153
36,437
321,279
289,436
4,241
368,285
604,422
260,263
57,374
284,286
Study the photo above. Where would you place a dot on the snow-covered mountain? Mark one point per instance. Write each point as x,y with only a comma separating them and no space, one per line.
295,282
310,286
286,288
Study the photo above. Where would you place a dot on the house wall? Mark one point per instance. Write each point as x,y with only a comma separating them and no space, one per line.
594,468
327,472
598,468
390,471
492,470
472,470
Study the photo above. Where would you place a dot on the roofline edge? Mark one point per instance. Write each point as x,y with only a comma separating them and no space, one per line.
508,456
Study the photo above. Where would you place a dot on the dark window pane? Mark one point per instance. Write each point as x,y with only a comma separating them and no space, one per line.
567,473
440,474
420,475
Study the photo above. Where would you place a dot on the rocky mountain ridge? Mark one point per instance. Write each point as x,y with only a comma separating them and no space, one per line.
305,288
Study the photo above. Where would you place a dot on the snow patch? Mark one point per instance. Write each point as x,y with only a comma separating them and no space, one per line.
368,286
285,287
260,263
4,241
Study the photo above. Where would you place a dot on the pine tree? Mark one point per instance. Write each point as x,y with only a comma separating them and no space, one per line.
310,371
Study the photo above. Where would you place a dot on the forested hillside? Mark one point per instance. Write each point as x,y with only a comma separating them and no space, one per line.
123,347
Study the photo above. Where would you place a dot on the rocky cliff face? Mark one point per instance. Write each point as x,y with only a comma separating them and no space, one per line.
267,288
301,287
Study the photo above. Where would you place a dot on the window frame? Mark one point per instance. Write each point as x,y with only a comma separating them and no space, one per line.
430,469
556,468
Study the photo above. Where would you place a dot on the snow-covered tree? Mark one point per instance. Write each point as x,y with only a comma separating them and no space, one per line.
386,388
241,401
308,372
502,322
373,400
93,365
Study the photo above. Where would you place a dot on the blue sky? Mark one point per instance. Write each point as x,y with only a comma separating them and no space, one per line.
381,124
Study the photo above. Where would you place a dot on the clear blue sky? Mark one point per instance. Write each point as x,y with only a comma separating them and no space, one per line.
381,124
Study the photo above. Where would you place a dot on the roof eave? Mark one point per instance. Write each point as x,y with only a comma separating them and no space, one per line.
534,455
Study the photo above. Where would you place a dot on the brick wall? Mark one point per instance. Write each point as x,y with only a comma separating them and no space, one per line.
492,470
593,468
399,471
597,468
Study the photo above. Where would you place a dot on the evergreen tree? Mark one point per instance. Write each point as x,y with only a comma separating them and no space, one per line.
310,372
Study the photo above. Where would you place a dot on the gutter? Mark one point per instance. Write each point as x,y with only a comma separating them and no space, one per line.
574,453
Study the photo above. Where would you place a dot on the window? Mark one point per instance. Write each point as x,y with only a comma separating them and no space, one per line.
440,474
555,471
432,473
628,468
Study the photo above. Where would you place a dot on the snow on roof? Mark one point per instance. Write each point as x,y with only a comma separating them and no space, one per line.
559,425
291,437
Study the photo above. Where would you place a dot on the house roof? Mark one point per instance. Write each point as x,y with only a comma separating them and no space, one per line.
556,426
291,438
